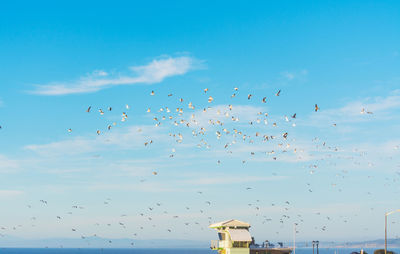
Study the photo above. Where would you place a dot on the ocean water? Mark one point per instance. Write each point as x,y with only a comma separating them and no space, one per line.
103,251
161,251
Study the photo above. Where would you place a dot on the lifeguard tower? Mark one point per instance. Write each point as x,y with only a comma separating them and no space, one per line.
234,238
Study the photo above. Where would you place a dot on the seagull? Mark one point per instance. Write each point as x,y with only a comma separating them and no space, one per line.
88,109
278,93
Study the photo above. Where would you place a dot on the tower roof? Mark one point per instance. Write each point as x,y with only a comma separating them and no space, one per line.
230,224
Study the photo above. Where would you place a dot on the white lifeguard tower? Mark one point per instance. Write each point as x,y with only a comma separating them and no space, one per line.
234,237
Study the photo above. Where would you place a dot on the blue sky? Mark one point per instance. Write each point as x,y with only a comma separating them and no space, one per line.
338,168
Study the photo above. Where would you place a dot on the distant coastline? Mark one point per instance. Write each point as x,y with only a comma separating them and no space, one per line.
372,244
97,242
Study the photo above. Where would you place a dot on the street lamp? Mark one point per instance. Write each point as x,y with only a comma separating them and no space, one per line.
313,243
386,215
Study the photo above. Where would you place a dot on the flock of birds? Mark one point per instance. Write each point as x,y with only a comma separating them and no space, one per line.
220,127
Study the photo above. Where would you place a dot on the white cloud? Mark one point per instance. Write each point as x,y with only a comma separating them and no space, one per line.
292,75
142,187
381,108
8,165
374,105
126,138
154,72
243,114
65,147
10,193
221,179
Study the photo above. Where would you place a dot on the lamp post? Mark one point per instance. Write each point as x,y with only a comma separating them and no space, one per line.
386,215
313,243
294,238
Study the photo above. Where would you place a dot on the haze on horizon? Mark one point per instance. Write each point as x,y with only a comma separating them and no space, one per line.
272,113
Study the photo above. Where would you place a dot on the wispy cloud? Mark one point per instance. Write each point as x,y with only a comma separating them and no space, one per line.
127,138
380,108
293,75
224,179
142,187
8,165
154,72
10,193
222,113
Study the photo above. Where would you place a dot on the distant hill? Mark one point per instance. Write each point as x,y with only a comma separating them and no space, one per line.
98,242
379,243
